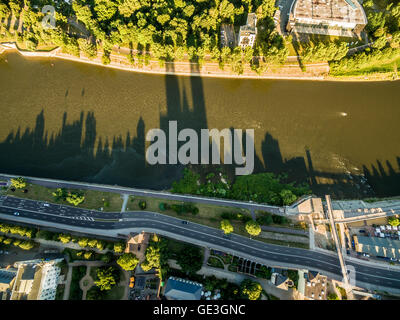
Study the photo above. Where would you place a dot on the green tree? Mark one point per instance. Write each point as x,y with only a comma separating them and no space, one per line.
88,49
287,197
251,289
27,245
106,278
74,198
226,226
332,296
18,183
92,243
190,259
128,261
393,221
253,228
87,255
64,238
83,242
119,247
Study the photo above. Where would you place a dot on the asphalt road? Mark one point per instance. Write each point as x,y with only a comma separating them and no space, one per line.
66,216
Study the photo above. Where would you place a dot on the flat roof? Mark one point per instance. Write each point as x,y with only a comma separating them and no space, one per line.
345,11
382,247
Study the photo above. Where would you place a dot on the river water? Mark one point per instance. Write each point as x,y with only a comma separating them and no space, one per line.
73,121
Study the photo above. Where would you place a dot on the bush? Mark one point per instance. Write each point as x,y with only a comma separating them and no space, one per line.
142,204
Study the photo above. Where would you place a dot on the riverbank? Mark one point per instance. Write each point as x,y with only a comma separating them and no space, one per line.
288,71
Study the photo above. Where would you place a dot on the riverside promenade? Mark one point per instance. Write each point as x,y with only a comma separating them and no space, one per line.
119,60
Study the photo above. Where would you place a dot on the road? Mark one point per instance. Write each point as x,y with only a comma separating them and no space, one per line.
117,223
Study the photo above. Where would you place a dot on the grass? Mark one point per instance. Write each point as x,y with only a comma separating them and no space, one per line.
176,247
215,262
75,292
60,292
381,69
208,215
93,199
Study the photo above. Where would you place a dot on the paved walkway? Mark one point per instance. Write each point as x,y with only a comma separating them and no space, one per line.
89,283
126,198
88,264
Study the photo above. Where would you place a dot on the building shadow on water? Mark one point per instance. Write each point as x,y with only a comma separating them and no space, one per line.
78,152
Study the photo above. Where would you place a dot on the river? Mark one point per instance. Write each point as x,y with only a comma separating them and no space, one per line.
74,121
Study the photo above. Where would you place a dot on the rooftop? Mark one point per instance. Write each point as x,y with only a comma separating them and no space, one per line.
6,275
382,247
181,289
349,11
250,26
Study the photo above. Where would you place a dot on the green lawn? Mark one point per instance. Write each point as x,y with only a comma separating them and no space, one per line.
176,247
209,215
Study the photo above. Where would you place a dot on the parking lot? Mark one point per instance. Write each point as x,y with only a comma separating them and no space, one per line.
145,288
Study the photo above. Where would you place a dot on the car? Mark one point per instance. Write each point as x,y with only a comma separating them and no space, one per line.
1,251
6,252
362,231
226,236
46,205
16,213
131,282
184,222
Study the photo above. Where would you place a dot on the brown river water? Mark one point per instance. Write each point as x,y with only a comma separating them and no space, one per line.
73,121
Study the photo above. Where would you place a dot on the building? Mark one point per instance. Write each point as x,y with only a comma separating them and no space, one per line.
378,247
36,280
248,32
281,281
327,17
181,289
312,285
7,277
137,245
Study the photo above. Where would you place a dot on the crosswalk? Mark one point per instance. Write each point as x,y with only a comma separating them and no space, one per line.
82,218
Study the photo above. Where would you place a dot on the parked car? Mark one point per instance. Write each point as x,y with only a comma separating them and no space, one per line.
46,205
362,231
131,282
184,222
16,213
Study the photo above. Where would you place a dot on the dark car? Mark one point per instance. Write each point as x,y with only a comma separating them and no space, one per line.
184,222
226,236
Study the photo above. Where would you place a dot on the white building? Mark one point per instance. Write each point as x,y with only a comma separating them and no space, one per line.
36,280
248,32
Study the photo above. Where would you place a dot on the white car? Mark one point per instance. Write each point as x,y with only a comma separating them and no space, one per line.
46,205
16,213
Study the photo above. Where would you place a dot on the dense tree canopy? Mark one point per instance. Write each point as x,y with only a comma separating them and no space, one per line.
251,289
190,259
128,261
